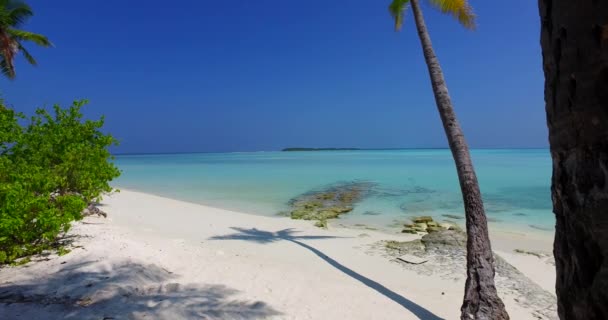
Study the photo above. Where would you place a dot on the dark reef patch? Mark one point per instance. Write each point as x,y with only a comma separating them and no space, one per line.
329,202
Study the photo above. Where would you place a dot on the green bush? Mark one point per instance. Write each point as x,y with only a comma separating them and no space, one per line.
50,170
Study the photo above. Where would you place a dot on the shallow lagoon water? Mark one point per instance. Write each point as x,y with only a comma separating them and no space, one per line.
515,183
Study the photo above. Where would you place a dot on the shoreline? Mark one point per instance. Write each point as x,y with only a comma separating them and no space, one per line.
505,236
155,257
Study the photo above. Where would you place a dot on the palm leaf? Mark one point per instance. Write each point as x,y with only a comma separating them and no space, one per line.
460,9
30,36
397,10
27,55
18,12
14,13
6,69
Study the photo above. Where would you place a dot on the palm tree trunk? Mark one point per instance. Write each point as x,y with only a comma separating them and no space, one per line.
8,54
481,300
574,39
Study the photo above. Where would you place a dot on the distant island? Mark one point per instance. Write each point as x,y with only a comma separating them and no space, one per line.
319,149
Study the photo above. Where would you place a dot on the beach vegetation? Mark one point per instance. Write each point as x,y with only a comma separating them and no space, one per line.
52,166
481,300
13,14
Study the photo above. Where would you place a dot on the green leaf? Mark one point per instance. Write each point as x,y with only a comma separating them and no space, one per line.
13,14
459,9
397,10
22,35
50,169
27,55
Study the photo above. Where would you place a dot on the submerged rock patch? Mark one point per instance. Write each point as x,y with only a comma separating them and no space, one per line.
371,213
404,192
426,224
329,203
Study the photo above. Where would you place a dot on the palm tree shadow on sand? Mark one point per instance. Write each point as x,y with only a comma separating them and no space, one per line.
267,237
124,291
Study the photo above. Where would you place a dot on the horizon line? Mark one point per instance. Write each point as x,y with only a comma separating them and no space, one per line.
352,149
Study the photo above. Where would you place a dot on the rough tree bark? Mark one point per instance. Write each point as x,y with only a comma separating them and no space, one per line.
574,41
481,300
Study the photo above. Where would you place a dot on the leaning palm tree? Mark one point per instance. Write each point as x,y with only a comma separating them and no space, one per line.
13,14
481,300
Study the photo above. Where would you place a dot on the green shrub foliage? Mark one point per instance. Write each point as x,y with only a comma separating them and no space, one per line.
51,168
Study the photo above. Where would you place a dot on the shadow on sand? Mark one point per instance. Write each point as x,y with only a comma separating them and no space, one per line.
125,291
266,237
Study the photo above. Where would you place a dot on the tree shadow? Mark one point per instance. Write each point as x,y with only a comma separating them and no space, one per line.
128,290
266,237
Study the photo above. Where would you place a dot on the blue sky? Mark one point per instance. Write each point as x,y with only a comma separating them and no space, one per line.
177,76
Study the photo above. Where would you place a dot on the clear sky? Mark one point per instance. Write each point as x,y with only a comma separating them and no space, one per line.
243,75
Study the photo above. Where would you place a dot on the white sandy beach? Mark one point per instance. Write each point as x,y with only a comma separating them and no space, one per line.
157,258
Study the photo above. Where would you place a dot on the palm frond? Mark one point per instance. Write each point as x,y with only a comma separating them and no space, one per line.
397,10
18,12
6,69
27,55
460,9
14,13
30,36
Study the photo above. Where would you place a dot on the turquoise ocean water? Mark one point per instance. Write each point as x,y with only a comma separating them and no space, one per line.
515,183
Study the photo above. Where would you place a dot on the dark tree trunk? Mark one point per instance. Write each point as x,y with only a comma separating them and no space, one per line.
8,52
481,300
574,40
